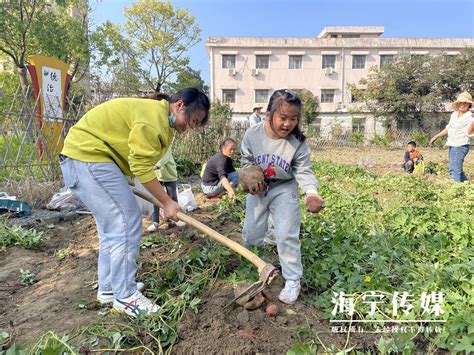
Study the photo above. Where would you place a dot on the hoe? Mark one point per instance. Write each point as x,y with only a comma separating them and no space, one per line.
266,271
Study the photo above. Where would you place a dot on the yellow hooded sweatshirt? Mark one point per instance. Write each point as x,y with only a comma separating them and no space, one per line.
132,132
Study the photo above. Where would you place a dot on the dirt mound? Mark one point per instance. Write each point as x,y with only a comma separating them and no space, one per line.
221,329
58,299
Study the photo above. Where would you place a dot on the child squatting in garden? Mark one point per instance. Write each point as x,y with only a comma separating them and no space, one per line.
412,157
275,151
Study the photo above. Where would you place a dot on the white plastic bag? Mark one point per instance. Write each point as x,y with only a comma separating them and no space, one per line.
6,196
145,206
186,198
65,200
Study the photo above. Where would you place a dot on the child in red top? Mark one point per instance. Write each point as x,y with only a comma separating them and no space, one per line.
412,157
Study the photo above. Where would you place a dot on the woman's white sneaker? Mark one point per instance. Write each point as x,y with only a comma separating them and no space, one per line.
152,227
270,239
108,296
290,292
179,224
136,304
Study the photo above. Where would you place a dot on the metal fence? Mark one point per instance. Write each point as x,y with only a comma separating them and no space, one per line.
29,143
30,151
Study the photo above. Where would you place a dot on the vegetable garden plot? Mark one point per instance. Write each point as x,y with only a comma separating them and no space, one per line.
378,235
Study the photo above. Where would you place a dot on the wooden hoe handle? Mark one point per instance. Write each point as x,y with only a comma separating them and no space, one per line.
247,254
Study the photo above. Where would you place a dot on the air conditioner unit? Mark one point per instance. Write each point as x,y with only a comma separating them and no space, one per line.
232,71
329,71
340,106
254,72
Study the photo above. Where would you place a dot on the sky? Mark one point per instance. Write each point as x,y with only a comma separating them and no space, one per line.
306,18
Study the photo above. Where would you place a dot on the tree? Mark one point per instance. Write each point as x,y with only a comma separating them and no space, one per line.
456,74
188,77
115,69
415,87
221,111
8,85
310,106
160,35
30,27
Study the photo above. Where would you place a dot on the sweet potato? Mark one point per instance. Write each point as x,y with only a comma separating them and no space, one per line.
255,303
272,310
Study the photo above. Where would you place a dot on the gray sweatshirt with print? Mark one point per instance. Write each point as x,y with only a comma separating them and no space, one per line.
280,159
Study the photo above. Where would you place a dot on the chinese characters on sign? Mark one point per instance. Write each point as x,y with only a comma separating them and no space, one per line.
430,303
52,95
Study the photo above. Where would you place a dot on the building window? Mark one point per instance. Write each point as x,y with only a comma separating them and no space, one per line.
329,61
358,125
386,59
295,62
405,125
262,61
415,56
327,95
261,95
228,96
358,61
449,60
228,61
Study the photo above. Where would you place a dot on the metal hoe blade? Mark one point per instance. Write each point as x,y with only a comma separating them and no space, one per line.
268,273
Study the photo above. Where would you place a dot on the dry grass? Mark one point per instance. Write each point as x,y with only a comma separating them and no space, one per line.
37,194
387,160
382,156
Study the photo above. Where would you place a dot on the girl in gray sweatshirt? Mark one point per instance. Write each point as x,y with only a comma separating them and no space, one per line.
277,146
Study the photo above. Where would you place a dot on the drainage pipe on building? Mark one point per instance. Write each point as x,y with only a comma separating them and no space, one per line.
211,73
342,76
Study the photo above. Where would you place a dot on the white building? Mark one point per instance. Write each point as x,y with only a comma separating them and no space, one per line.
245,70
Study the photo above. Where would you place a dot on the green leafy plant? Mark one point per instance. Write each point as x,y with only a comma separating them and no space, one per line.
186,167
383,141
301,349
421,138
302,333
16,235
63,253
310,106
27,277
50,343
357,138
440,168
221,111
4,339
412,239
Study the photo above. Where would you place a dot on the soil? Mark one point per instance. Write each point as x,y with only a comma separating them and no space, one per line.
383,157
216,329
382,161
63,297
54,301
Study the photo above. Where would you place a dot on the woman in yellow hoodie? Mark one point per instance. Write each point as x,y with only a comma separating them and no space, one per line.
119,138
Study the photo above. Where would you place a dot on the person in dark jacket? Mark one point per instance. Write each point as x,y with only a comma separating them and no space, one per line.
219,173
412,157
